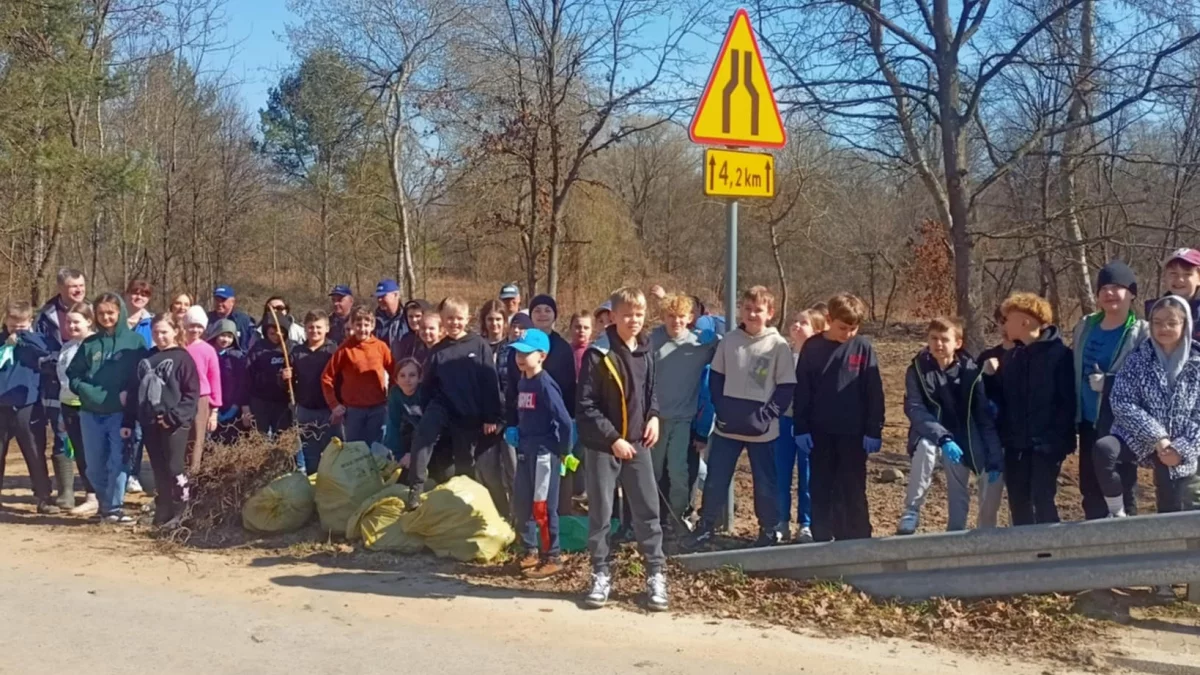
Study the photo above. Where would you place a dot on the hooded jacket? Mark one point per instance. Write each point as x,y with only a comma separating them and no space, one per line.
752,381
266,363
104,364
1133,334
460,375
234,363
164,390
559,364
611,403
1193,305
21,377
143,327
838,388
1037,382
952,404
49,325
1147,408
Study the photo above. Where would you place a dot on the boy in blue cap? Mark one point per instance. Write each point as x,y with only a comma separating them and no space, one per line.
542,436
225,307
341,301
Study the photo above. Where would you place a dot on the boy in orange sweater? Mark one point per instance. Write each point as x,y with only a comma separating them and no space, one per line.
355,381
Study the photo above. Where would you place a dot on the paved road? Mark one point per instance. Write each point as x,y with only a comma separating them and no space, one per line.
74,599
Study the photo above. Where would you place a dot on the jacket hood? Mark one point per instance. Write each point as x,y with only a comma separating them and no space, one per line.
1173,363
122,326
764,334
1048,335
225,326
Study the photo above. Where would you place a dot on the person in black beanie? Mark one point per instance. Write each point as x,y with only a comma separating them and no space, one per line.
1101,342
560,362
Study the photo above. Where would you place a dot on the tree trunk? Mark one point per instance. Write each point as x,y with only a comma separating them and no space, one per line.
1079,275
555,255
782,317
407,271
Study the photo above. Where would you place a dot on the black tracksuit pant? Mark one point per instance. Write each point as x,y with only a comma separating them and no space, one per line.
1032,482
18,423
167,449
437,423
838,486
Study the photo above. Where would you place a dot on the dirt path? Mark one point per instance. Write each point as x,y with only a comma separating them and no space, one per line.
92,601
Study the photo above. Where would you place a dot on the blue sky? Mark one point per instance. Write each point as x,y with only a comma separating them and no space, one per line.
257,28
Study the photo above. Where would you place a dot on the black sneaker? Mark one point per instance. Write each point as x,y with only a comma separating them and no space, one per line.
703,536
768,538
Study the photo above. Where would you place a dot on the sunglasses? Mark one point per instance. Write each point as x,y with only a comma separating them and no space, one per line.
142,292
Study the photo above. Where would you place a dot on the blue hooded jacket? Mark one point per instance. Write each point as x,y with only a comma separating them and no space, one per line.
20,378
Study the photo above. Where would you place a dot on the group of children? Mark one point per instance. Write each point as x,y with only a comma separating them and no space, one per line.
629,420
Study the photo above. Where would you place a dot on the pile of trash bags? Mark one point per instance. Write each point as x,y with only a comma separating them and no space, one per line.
355,494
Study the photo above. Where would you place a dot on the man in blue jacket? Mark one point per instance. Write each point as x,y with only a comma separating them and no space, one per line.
51,324
224,307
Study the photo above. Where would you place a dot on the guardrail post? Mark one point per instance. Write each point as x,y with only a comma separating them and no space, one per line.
1193,593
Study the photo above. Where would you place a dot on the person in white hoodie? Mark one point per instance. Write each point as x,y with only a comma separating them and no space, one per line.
79,326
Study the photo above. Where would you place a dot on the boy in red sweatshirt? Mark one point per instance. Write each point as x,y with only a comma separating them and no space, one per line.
355,381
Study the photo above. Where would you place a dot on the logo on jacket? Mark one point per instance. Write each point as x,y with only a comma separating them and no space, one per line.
760,371
855,362
526,400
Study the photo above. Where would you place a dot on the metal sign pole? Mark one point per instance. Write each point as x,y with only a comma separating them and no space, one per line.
731,264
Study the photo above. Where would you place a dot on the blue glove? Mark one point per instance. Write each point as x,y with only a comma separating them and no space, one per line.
994,476
872,445
512,436
228,416
804,444
952,452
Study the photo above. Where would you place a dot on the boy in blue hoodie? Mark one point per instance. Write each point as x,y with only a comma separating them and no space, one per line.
235,395
21,351
751,382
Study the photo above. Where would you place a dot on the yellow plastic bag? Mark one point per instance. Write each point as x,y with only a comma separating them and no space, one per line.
284,505
377,524
459,520
347,475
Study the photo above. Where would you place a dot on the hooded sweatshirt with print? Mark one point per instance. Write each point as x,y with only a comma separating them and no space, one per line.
838,388
753,380
559,364
164,390
104,364
1157,395
1037,383
266,363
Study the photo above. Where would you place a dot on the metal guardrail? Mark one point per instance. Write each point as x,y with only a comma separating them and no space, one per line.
1063,557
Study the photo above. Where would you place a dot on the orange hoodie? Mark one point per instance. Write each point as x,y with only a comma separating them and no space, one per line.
357,375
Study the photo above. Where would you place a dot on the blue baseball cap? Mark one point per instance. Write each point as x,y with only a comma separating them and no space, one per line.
224,292
509,291
341,290
534,341
386,286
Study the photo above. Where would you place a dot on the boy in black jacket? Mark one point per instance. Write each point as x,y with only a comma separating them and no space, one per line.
838,414
1037,417
560,362
20,386
947,407
460,397
312,411
269,409
617,415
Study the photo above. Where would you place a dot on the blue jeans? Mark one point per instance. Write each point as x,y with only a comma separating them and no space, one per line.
105,451
527,490
723,457
365,424
787,456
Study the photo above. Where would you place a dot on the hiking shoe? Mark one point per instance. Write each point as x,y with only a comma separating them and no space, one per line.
47,508
767,538
656,592
784,530
547,569
597,598
528,561
413,500
908,522
805,536
133,486
89,507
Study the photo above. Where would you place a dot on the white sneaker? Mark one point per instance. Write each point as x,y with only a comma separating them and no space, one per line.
133,486
601,587
908,522
805,536
656,592
90,506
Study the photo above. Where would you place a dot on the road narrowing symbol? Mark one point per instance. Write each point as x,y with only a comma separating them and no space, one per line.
738,107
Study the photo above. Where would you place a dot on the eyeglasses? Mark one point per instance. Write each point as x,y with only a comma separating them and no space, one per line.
279,308
142,292
1173,324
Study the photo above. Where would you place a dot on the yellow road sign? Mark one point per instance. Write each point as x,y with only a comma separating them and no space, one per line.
728,173
738,106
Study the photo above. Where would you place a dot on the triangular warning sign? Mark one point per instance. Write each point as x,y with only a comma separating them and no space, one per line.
738,106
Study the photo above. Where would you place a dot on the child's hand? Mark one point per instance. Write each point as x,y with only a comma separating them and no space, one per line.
650,435
991,366
212,421
126,433
12,338
404,460
1169,457
337,415
285,374
490,429
247,418
622,449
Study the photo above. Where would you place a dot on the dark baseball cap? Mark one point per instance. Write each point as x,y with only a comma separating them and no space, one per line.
342,291
509,291
224,292
386,286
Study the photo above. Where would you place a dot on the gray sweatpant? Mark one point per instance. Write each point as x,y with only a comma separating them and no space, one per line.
958,485
636,478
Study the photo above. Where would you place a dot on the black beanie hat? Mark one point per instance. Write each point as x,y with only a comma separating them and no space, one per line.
1117,272
544,299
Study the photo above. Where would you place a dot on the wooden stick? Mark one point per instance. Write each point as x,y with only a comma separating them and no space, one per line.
287,359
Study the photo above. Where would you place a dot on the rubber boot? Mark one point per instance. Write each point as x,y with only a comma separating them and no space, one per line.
64,479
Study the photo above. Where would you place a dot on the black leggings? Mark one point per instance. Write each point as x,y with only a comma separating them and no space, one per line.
1116,471
17,423
168,459
70,416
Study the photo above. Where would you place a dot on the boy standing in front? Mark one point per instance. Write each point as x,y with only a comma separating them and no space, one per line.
617,416
20,379
680,355
354,382
751,383
838,414
312,410
543,437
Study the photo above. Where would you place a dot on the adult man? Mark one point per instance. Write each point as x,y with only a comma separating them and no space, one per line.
390,323
224,306
52,324
510,299
341,301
